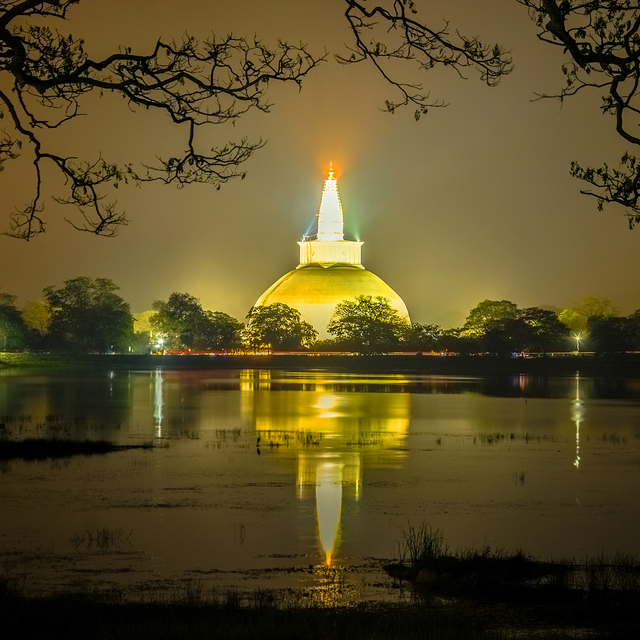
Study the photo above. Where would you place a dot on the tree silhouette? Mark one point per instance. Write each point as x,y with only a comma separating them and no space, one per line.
195,84
601,39
277,326
13,331
184,324
368,324
391,31
88,316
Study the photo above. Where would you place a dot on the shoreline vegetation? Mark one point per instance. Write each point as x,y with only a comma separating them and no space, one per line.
52,448
471,594
625,365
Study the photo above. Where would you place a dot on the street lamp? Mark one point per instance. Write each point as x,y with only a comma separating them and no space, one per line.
577,338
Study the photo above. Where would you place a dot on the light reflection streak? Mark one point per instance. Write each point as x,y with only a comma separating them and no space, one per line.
328,506
577,416
158,402
334,434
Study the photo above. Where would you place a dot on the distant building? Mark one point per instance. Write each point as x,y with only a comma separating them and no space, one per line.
330,270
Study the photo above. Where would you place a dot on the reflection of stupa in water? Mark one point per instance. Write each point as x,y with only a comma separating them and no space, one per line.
330,270
335,432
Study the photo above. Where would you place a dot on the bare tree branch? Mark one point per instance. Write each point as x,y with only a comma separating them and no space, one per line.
386,32
195,84
602,37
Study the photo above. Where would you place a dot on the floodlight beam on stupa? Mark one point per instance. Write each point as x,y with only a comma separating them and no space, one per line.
330,217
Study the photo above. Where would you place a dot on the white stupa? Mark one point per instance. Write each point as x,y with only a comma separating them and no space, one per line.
330,269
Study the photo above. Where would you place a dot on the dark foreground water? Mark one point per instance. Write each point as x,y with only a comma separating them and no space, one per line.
303,481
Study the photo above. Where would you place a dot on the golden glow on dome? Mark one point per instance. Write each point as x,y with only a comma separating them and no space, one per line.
314,290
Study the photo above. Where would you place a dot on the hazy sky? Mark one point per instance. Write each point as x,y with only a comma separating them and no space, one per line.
474,201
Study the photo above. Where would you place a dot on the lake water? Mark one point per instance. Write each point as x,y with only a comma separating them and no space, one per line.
303,481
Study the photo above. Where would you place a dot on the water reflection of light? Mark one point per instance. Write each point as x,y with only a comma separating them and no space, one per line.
325,403
577,416
328,506
334,434
158,402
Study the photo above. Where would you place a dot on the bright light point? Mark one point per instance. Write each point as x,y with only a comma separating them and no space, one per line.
328,556
326,402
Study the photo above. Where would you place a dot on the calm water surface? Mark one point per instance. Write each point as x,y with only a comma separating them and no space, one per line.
287,480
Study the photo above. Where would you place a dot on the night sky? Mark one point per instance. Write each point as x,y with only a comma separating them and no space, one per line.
474,201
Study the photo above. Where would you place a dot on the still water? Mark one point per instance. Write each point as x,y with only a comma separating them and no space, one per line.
286,479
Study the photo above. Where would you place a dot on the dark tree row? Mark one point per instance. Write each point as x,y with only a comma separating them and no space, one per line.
88,315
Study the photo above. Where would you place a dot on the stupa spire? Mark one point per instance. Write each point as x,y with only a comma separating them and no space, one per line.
330,220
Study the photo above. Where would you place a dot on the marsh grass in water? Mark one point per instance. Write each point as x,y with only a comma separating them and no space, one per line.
612,438
367,439
520,477
275,439
228,434
474,571
194,609
307,438
527,438
191,435
10,418
101,538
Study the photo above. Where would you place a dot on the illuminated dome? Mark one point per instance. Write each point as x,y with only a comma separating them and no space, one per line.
330,270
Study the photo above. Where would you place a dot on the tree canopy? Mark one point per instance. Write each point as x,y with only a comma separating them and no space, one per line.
486,312
88,316
184,324
368,324
501,328
37,316
424,337
13,331
613,334
601,42
277,326
588,307
546,331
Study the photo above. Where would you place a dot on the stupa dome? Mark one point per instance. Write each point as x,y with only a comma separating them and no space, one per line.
330,270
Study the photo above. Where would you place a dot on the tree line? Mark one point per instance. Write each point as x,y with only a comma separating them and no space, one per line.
87,315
